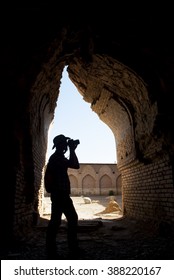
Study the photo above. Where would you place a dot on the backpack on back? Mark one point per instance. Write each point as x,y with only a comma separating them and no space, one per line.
48,180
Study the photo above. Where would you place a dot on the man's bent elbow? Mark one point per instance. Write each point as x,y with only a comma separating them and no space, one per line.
77,166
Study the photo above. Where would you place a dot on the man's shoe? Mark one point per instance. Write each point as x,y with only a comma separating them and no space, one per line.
51,254
76,254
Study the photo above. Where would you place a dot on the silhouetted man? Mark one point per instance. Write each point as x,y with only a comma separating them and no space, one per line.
62,203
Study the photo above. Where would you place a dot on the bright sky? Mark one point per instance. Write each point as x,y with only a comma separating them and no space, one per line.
74,118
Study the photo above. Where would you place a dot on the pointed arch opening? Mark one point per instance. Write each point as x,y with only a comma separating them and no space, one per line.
74,117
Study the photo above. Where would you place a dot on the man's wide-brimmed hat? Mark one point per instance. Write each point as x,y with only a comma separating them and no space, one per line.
59,139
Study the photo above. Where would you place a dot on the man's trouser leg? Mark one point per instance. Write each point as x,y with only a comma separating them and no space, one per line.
72,219
52,230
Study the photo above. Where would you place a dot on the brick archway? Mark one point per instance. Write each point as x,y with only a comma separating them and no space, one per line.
125,76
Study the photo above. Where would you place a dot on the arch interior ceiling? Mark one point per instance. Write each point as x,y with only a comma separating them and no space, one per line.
123,67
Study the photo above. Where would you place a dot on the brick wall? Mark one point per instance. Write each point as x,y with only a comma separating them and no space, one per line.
148,191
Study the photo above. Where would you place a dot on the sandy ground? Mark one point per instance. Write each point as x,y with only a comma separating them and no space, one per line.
89,211
102,236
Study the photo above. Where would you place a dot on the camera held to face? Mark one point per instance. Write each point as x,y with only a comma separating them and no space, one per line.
72,142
